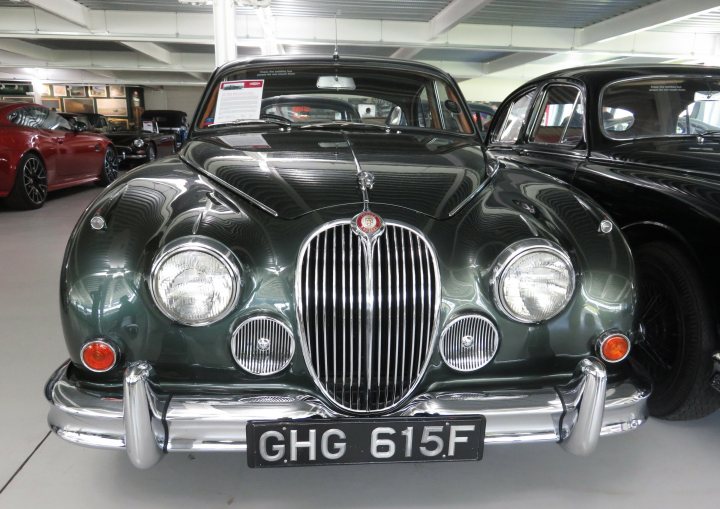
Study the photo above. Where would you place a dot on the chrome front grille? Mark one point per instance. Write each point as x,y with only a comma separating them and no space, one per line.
367,323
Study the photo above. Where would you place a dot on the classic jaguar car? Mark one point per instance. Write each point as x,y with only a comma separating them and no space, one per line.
93,122
142,145
40,152
342,292
169,122
644,142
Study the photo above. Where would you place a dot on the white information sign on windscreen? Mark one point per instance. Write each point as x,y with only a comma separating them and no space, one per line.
239,100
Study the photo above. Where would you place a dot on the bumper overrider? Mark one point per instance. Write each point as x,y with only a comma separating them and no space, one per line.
148,424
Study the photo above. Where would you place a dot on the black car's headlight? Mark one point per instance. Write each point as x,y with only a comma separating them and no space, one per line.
139,143
533,280
195,281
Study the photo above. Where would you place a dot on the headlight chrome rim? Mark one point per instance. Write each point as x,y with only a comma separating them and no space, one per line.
138,142
208,246
511,254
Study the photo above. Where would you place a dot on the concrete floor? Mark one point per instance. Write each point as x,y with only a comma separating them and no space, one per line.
661,465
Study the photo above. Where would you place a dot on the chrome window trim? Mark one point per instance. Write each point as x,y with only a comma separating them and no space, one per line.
604,337
601,96
106,342
283,325
206,245
535,115
299,311
512,253
459,319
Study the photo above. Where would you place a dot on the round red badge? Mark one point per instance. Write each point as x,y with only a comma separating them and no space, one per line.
368,222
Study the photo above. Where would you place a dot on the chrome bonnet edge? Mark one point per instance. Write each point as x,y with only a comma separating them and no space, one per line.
146,425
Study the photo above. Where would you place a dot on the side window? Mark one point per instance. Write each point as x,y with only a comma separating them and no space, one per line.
560,117
423,114
54,121
452,113
508,128
31,116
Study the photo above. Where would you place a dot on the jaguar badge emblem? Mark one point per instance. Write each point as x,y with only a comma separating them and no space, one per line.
368,224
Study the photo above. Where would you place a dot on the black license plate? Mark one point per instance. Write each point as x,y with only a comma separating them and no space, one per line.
364,440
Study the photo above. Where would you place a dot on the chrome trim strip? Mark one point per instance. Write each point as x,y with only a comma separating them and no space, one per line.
575,414
223,183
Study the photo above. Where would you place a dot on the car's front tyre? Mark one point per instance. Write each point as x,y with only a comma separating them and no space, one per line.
677,333
109,171
31,183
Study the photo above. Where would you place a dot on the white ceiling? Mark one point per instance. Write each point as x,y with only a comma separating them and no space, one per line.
155,42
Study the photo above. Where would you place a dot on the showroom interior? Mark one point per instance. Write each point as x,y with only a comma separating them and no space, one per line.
119,60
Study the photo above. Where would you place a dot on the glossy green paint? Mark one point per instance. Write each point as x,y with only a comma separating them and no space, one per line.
104,287
262,202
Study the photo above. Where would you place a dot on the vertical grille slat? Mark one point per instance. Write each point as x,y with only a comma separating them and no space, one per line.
368,319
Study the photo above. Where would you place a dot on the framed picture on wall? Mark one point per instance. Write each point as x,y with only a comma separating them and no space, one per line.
121,124
98,91
77,91
78,105
59,90
18,99
52,103
112,107
117,91
45,89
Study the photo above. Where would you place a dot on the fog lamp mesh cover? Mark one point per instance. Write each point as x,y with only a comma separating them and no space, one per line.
469,343
263,346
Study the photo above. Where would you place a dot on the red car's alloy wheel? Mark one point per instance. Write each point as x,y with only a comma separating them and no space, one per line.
34,180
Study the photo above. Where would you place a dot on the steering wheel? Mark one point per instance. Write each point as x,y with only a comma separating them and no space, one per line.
275,117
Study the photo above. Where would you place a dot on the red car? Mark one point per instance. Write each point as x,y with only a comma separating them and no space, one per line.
41,152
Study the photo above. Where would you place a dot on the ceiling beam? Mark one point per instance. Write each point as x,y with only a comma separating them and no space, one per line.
644,18
27,49
453,14
510,61
69,10
406,53
151,50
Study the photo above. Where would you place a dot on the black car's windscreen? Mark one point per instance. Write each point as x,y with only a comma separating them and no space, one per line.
374,96
660,106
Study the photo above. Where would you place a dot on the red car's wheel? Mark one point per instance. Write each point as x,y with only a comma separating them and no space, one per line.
110,167
31,183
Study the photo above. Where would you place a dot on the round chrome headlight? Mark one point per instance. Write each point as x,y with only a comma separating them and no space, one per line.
138,142
533,280
195,281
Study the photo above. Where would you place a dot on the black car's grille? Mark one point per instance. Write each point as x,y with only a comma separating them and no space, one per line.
367,327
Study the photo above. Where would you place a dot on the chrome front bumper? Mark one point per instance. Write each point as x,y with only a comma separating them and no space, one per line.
147,425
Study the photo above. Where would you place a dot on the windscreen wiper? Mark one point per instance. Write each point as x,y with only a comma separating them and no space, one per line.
253,121
347,126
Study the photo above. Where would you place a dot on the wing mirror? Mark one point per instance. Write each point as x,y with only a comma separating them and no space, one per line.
80,127
452,106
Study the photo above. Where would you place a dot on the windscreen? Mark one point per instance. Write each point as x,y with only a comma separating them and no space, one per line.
326,94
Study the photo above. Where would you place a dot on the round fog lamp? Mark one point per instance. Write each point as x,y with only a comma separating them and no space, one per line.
98,356
138,142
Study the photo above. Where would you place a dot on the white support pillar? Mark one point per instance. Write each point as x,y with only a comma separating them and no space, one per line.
224,27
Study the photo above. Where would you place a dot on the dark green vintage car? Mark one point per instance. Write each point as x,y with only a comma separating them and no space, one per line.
344,291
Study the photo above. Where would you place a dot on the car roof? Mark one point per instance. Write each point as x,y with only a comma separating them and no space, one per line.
606,73
410,65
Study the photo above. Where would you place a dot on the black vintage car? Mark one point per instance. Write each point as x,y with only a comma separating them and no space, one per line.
342,292
142,145
93,122
645,143
169,122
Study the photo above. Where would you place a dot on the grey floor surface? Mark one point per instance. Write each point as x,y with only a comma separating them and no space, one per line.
661,465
